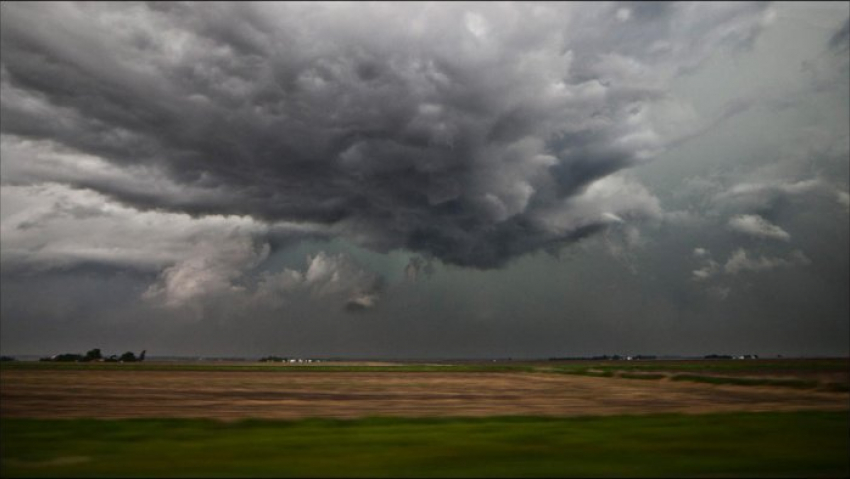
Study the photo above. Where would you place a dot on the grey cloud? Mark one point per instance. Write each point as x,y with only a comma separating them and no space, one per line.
829,69
755,225
227,271
767,192
741,261
185,150
843,199
676,35
840,40
361,302
417,267
709,268
49,226
730,110
209,269
456,132
325,276
769,208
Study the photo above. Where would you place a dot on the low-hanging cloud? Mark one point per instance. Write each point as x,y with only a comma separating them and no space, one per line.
222,271
758,227
335,277
471,133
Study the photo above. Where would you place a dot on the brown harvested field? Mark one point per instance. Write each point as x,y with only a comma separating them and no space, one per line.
233,395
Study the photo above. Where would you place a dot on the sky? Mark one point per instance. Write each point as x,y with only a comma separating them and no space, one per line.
425,180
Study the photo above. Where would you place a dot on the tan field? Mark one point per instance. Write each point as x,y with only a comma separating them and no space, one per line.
234,395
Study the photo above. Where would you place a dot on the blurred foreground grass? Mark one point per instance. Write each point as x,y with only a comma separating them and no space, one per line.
803,444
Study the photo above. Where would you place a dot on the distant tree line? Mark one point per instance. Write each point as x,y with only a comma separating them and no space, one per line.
273,359
617,357
95,355
605,357
727,356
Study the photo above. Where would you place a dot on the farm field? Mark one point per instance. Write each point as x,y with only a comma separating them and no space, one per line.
299,394
547,418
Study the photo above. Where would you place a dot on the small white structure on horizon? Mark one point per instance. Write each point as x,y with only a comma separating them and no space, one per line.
300,360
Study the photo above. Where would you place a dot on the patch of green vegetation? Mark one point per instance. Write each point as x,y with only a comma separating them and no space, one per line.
586,372
642,376
806,444
689,371
704,366
791,383
737,365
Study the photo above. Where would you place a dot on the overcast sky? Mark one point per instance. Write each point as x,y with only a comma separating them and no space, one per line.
425,180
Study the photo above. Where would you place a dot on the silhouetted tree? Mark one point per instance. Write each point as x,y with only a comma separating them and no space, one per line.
127,357
93,355
273,359
67,357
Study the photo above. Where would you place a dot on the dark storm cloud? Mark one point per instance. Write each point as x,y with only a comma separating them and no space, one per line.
196,178
447,130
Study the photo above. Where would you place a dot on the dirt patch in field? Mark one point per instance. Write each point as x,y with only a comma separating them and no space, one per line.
233,395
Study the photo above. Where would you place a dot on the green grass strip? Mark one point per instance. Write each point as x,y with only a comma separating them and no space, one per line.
800,365
642,376
798,444
791,383
586,372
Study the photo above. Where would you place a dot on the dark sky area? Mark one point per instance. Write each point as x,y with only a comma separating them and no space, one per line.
425,180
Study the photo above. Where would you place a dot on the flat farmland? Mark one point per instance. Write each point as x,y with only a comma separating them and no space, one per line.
535,419
291,394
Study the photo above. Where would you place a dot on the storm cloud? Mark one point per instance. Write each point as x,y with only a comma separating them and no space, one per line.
455,130
425,179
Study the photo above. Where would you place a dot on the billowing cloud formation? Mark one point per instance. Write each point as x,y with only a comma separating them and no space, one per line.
222,272
211,269
325,276
453,130
755,225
